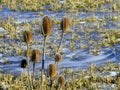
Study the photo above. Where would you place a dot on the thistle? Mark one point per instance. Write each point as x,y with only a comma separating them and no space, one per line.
65,28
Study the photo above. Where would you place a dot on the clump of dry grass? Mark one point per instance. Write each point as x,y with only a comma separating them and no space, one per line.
68,5
91,78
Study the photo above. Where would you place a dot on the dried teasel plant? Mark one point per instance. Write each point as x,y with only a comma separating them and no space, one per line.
46,26
28,39
65,25
61,80
46,31
51,70
35,58
58,58
51,73
65,28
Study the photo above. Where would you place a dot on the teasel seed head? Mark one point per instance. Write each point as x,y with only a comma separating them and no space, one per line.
58,58
27,37
28,53
61,80
46,26
23,63
65,24
35,55
51,70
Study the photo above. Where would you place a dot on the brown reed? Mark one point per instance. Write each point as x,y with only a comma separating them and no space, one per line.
27,37
46,31
24,63
58,58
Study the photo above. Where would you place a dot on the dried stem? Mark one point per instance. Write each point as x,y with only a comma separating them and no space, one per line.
33,72
60,42
51,81
43,59
29,76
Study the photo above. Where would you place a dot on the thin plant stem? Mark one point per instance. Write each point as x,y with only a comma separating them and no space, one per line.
29,76
51,81
33,73
60,42
43,59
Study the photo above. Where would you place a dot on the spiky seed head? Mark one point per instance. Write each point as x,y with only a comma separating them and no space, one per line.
23,63
61,80
27,37
58,58
51,70
35,55
65,24
28,53
46,26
